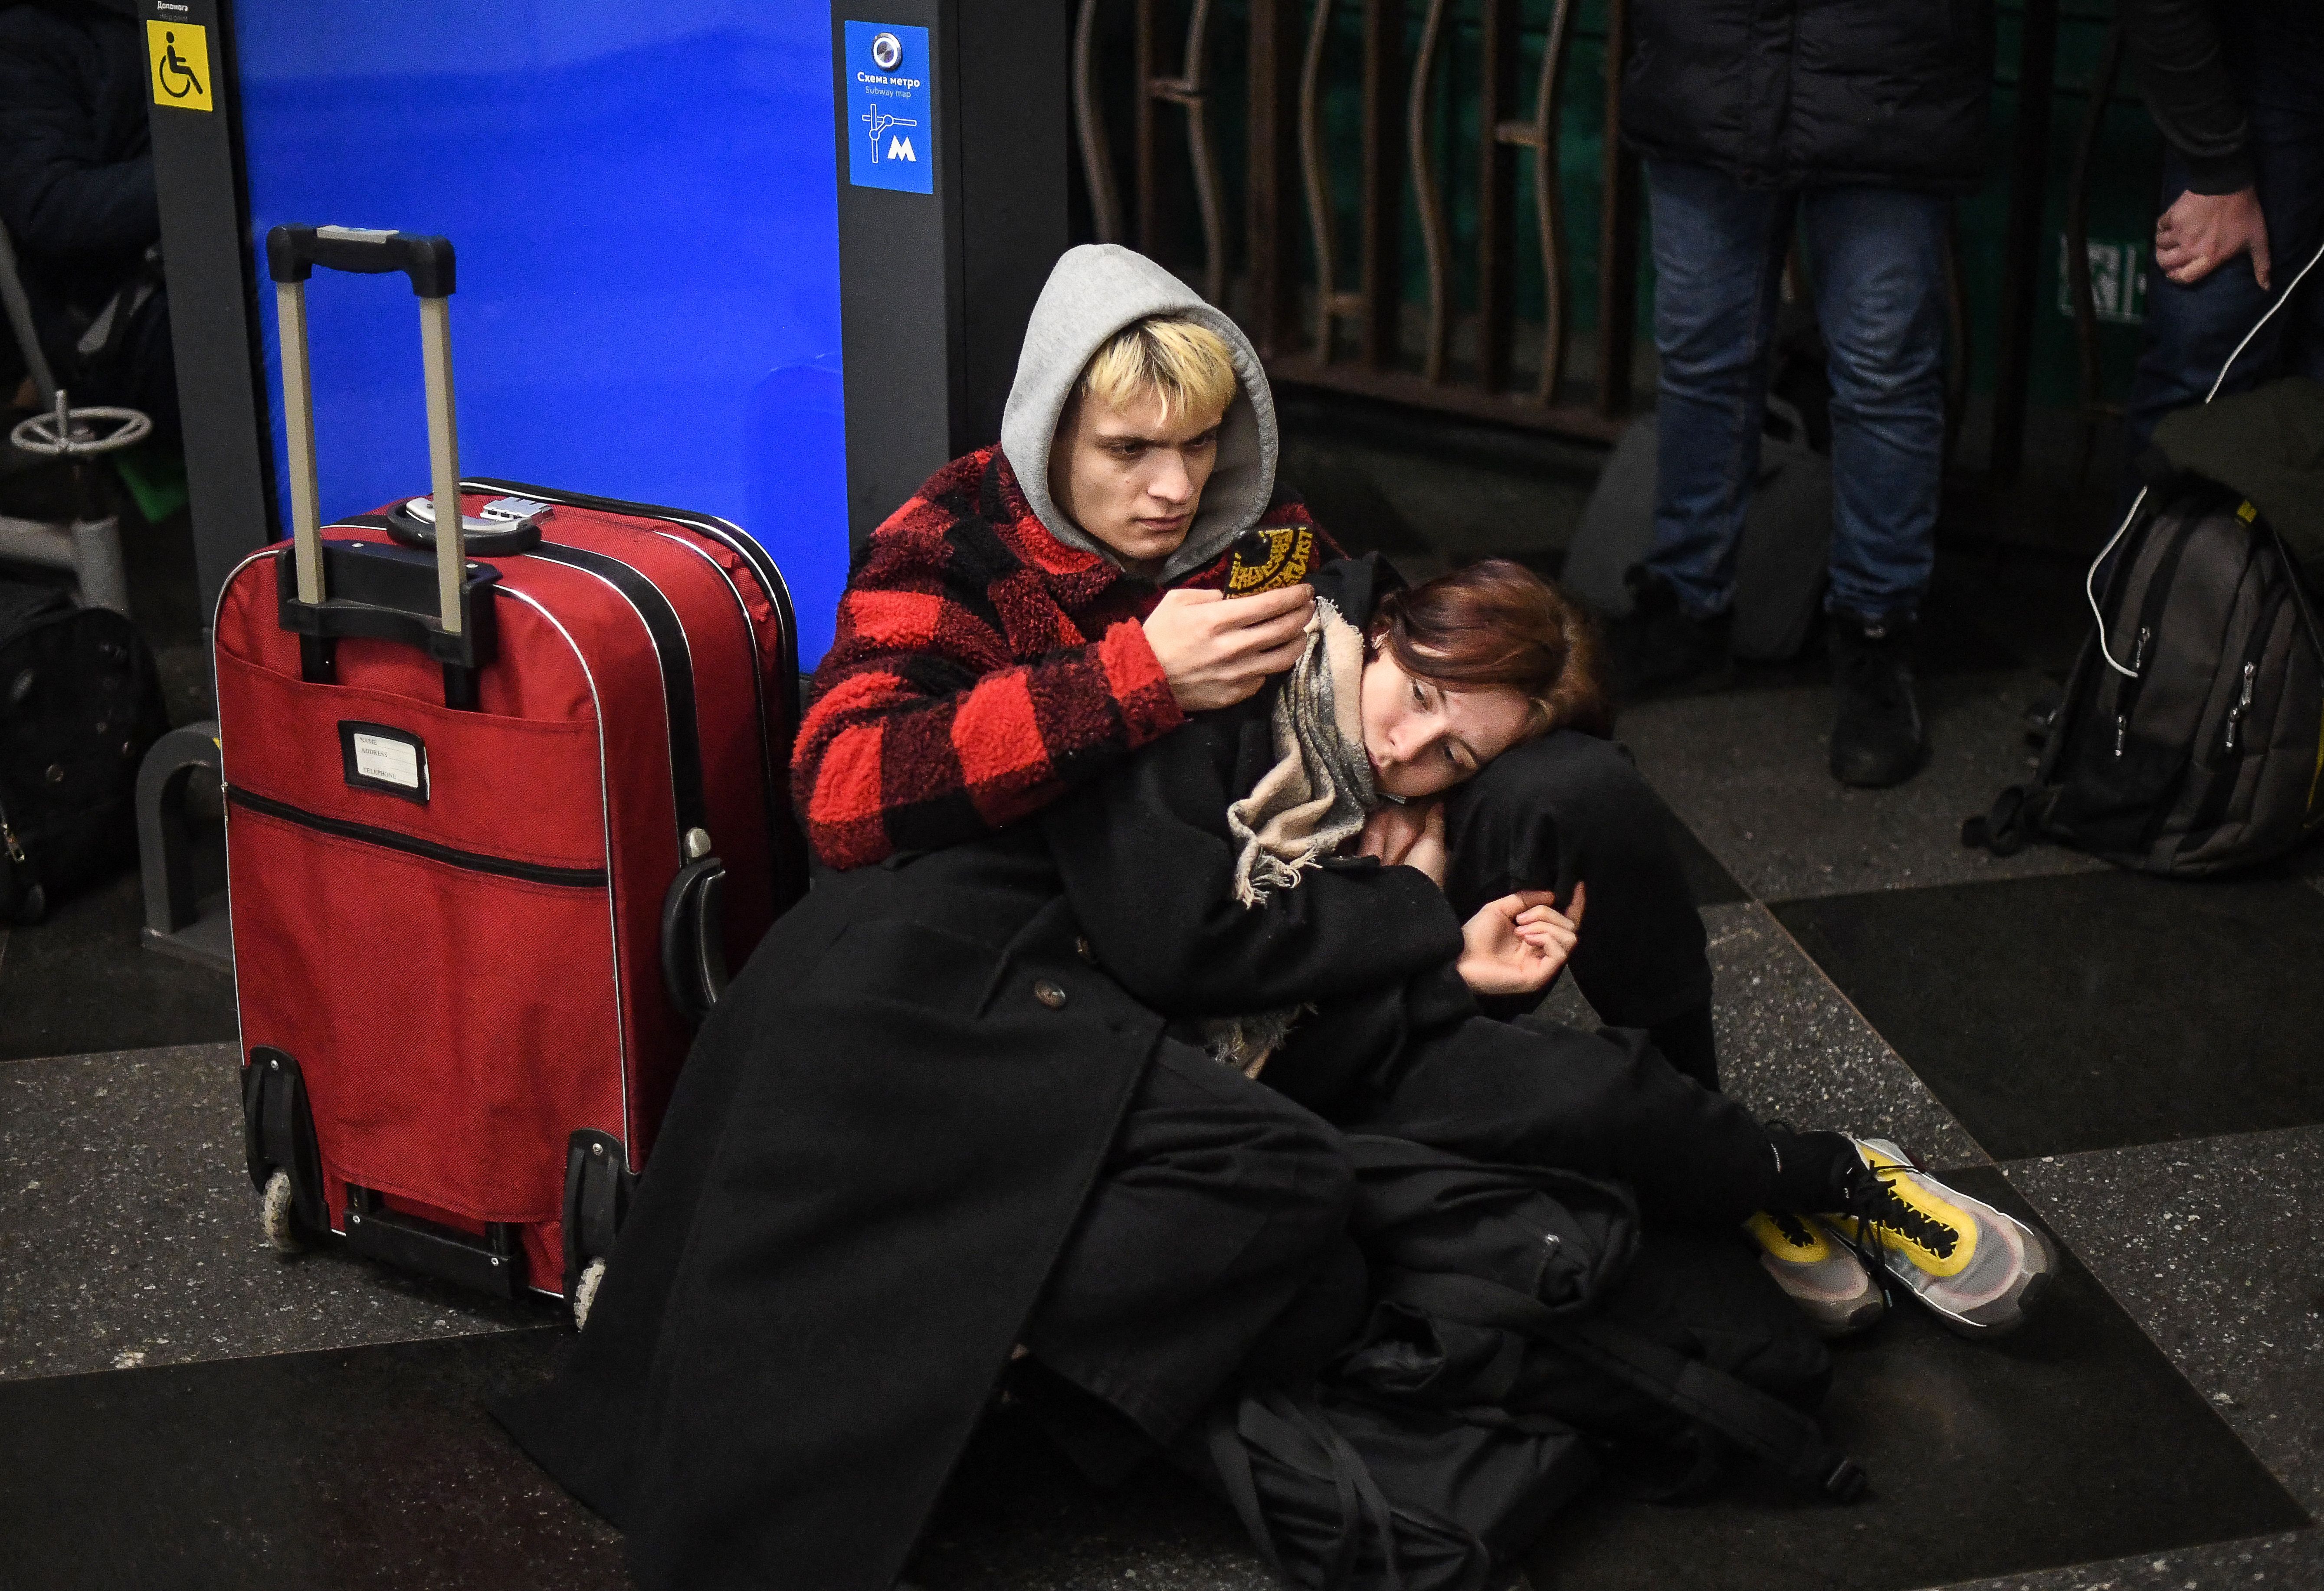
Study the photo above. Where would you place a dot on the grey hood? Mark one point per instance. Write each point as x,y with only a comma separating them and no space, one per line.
1093,291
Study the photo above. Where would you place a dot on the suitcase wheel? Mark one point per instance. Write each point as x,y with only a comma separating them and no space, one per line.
278,1212
585,1291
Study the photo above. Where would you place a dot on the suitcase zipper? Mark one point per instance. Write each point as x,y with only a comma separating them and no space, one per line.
388,839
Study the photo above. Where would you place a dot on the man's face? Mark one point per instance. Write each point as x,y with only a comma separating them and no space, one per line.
1132,478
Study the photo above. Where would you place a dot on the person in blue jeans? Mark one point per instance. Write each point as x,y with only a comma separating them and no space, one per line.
1853,122
2238,88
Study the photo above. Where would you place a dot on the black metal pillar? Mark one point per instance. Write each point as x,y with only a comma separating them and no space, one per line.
198,169
936,289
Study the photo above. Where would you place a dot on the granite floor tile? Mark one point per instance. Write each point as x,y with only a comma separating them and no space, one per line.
1748,771
1790,1046
2073,1440
80,983
2213,1246
129,1231
2292,1561
2059,1014
373,1466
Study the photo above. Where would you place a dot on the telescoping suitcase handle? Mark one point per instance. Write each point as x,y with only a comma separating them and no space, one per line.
377,594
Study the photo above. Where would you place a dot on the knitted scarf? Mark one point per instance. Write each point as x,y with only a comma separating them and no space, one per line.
1314,799
1321,787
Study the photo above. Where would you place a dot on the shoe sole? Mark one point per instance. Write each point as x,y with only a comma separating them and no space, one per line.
1882,779
2040,1265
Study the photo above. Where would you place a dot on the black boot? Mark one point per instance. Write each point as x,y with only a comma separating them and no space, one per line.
1878,740
1660,643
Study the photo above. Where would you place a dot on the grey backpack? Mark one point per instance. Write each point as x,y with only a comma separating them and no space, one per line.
2190,739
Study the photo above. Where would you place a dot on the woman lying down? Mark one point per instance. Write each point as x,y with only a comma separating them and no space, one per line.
1085,1105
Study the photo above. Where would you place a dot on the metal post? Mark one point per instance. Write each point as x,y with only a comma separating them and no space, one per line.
443,456
1380,270
299,423
2020,260
1272,314
1617,241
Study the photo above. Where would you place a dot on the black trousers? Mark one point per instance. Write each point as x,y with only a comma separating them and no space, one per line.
1570,808
1217,1237
1220,1204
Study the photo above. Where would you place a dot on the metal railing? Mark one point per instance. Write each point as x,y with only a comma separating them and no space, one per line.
1341,323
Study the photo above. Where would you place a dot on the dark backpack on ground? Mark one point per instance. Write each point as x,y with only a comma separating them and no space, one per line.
2206,754
79,703
1525,1339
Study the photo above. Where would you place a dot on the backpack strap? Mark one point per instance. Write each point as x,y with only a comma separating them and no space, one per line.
1761,1425
1296,1430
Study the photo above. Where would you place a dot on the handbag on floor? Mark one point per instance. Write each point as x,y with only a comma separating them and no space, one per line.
1526,1337
80,703
2191,738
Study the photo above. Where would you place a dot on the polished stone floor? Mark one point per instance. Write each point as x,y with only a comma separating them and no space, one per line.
2135,1065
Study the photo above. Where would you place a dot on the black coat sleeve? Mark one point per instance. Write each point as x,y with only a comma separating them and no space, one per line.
1149,869
59,194
2188,90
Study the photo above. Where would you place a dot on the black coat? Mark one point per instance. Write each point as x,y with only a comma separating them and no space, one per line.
885,1133
1803,93
76,162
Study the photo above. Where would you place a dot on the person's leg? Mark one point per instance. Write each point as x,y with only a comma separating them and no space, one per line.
1535,1092
1220,1205
1569,809
1606,1104
1719,259
1877,259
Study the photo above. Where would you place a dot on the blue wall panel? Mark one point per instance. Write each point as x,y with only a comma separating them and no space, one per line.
644,204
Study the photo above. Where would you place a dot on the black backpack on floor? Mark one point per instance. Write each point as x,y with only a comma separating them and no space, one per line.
1525,1339
2191,738
80,704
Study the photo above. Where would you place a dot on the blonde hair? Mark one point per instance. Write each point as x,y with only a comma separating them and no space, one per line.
1184,361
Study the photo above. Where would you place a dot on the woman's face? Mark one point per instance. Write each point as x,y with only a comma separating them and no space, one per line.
1423,738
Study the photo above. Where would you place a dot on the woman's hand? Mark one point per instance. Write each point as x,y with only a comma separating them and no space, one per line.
1411,836
1518,943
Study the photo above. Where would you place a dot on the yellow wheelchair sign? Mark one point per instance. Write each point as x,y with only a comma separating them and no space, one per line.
180,53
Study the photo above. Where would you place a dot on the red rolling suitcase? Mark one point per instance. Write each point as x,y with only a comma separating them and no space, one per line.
502,803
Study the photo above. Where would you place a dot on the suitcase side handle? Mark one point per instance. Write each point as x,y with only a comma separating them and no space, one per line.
292,252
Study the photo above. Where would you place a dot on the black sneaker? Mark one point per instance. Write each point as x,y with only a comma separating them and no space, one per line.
1659,643
1878,740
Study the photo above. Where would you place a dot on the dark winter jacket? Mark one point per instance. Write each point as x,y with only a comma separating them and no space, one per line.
2199,62
886,1131
1808,93
76,166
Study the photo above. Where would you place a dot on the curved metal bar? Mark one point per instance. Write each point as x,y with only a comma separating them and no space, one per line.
1316,180
1432,200
1188,92
1089,124
1548,207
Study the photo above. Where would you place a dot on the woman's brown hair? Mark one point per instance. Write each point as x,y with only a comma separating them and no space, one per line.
1498,623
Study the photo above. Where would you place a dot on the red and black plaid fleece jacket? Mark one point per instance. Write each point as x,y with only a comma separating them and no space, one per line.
982,666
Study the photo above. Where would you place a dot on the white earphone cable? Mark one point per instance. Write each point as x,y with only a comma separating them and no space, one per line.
2089,581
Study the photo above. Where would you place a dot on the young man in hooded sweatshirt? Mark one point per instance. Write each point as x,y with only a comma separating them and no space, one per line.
1123,557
